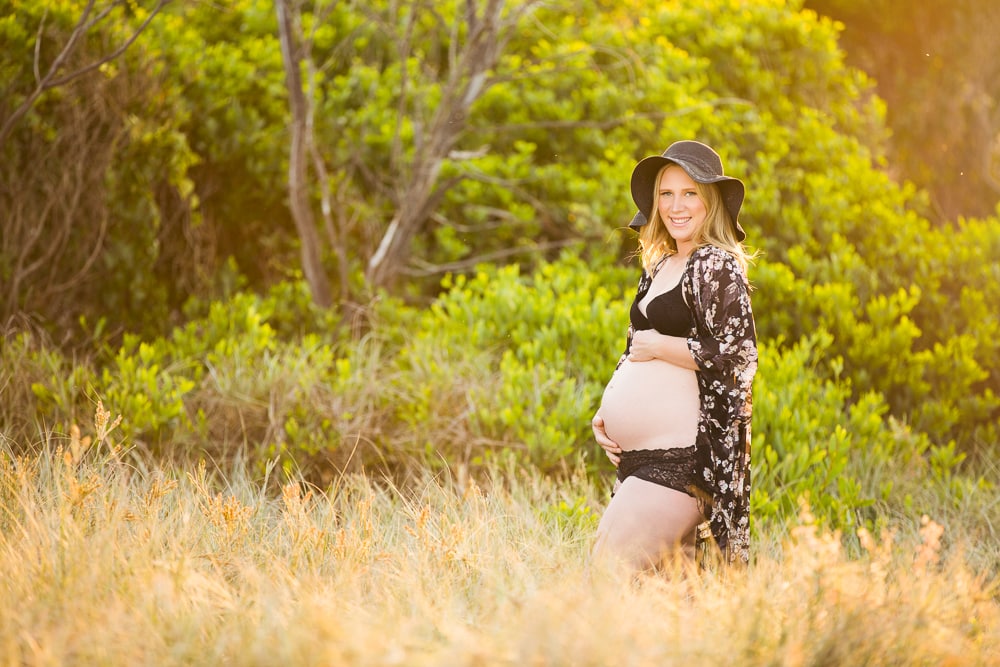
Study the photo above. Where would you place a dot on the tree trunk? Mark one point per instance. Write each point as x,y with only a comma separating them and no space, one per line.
298,191
485,32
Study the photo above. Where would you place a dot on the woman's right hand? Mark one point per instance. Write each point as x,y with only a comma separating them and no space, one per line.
609,446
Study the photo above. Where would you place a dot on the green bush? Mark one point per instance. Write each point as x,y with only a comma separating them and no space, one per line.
930,348
520,361
42,389
810,441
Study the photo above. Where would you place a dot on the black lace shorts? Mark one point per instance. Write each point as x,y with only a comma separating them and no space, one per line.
673,468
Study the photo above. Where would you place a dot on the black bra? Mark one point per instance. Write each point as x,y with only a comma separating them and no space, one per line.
667,313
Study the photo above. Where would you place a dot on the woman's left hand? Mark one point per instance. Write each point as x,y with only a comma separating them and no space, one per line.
648,344
610,447
644,345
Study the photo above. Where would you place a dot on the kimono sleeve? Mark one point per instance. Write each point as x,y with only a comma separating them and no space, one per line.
725,339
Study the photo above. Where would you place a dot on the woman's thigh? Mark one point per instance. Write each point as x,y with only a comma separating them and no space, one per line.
645,521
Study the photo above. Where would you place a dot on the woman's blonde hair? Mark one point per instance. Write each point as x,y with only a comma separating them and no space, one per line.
655,242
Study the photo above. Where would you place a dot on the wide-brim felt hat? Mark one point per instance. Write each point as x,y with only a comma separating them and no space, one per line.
702,164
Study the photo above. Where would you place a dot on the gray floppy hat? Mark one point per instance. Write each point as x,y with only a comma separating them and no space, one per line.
702,164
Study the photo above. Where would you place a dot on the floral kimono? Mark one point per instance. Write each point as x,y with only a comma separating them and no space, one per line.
723,342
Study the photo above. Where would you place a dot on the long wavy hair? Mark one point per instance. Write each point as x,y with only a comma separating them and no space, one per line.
655,242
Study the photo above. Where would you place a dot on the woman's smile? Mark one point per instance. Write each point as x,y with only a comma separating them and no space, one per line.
680,207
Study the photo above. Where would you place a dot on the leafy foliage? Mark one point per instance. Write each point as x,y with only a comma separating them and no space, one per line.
502,368
178,259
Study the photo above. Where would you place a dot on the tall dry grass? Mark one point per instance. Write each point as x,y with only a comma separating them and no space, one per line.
107,560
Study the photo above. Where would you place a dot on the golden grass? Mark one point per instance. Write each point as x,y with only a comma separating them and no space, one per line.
106,561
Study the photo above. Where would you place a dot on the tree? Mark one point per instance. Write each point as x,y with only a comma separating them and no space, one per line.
432,101
475,39
53,214
300,150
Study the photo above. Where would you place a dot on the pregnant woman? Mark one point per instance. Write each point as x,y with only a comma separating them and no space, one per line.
675,417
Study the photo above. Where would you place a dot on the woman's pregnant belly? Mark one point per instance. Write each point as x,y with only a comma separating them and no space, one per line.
651,405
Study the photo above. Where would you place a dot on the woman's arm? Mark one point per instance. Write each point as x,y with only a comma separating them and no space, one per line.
651,344
726,342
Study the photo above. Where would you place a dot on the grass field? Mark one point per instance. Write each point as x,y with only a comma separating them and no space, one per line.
109,560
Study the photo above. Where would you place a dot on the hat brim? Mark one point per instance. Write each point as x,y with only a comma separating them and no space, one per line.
643,185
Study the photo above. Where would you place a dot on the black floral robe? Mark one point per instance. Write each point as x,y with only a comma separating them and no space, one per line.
723,342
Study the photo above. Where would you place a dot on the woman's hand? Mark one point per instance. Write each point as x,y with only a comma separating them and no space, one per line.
648,344
645,344
609,446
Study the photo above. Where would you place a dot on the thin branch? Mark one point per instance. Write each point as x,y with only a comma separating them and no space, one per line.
404,84
289,27
29,102
102,15
499,216
92,257
49,81
334,232
113,55
38,47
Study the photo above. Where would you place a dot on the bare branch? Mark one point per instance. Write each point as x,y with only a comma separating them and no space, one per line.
333,230
498,216
404,84
49,81
38,48
95,251
101,15
470,60
114,54
29,102
55,215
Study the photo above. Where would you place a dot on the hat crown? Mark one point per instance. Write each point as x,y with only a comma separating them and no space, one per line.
697,156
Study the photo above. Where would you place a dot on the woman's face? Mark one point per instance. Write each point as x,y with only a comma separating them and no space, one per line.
681,209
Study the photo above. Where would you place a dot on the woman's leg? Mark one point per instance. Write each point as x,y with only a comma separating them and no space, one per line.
646,522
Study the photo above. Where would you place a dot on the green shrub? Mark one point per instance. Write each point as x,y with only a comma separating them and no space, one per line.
930,348
228,379
42,389
533,351
812,440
